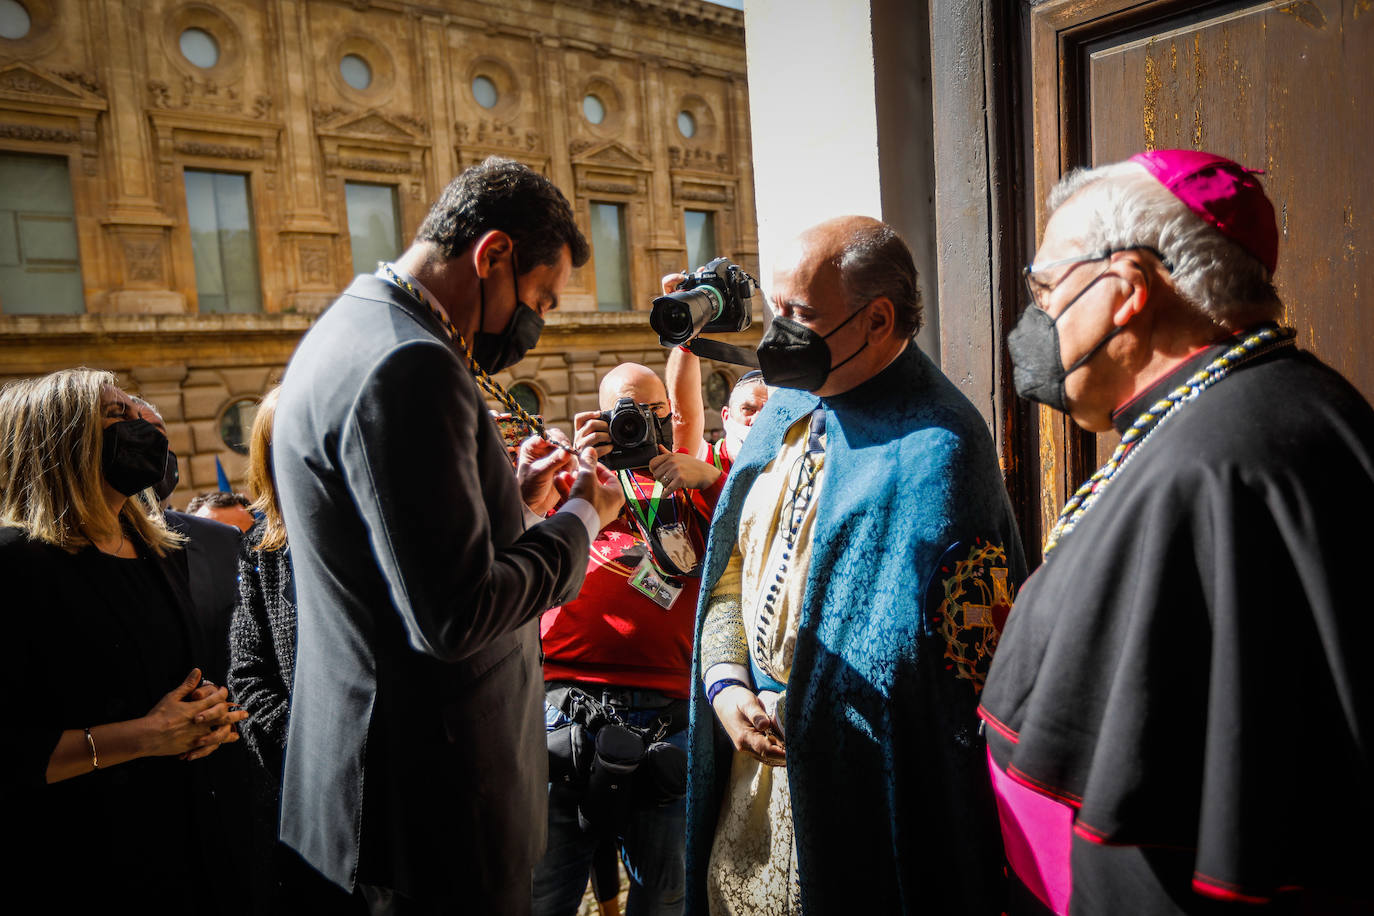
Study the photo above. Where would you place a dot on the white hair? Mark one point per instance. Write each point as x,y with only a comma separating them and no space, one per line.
1124,206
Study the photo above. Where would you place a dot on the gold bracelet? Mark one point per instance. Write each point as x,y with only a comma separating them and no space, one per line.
90,742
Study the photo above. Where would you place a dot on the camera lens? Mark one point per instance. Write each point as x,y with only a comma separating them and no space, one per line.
678,317
628,427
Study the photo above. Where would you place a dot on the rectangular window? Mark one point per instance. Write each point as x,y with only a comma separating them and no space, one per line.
223,244
40,267
701,237
373,226
612,257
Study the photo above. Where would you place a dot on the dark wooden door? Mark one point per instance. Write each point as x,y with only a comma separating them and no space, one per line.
1287,87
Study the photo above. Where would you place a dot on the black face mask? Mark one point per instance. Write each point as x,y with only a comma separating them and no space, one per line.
170,475
494,352
792,355
1033,344
133,456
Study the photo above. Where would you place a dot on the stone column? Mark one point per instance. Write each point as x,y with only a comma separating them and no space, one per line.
137,225
309,232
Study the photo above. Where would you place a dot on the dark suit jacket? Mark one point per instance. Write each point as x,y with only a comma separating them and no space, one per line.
212,562
415,751
209,562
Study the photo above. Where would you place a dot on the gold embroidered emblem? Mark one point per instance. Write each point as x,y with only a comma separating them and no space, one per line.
974,596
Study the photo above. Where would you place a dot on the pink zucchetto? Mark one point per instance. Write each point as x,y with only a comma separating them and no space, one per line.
1223,193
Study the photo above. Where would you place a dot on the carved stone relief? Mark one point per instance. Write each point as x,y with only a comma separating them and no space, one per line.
376,165
18,79
84,80
314,258
219,150
143,260
697,158
38,134
497,133
202,94
608,187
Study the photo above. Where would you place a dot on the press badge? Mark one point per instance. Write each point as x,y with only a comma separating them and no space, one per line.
653,585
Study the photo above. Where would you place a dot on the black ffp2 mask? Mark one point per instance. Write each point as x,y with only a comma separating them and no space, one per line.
133,456
1037,372
170,475
494,352
791,355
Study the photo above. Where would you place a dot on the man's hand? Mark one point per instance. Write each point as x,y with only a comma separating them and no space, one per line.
592,431
749,726
597,486
540,463
682,472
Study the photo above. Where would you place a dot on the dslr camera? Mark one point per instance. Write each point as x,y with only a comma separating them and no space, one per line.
713,299
636,433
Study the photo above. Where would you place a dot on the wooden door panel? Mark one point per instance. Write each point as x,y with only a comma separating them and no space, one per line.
1283,87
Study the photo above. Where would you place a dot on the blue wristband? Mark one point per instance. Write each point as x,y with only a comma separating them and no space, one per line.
720,685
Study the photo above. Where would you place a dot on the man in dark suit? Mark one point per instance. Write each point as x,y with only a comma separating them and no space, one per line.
211,562
422,563
212,559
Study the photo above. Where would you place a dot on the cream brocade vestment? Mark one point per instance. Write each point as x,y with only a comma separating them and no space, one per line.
753,864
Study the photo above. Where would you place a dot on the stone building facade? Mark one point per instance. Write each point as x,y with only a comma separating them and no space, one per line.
185,184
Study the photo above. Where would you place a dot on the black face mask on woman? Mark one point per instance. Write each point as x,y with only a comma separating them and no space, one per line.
164,487
792,355
133,456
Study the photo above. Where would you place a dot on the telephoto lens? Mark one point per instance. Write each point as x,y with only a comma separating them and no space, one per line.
680,316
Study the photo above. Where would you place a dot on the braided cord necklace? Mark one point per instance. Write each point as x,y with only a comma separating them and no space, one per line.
1263,340
489,384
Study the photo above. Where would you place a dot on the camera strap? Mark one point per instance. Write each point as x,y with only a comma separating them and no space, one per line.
632,501
723,352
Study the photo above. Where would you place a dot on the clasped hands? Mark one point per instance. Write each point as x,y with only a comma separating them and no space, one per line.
192,720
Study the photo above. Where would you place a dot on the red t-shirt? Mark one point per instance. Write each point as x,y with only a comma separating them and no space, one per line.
611,633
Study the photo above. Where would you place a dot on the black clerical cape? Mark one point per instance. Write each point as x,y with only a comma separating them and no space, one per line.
1186,669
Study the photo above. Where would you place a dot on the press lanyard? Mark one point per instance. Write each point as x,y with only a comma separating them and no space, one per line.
627,480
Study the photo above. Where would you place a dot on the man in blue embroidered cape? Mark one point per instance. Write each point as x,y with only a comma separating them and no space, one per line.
861,560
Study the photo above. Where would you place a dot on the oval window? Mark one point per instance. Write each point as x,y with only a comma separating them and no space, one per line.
717,390
200,48
484,91
593,109
525,395
355,72
236,423
686,124
14,20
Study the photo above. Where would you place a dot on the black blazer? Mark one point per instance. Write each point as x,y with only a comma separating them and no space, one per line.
212,563
415,753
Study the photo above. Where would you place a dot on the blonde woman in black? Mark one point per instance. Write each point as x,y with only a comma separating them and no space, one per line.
107,707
